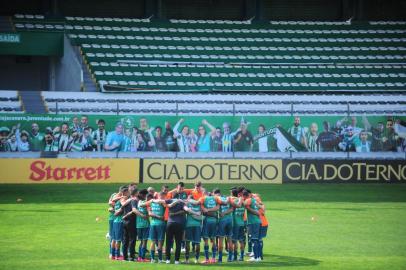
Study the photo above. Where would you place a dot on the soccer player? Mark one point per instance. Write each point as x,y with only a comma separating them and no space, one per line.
238,225
111,219
156,210
254,223
175,227
225,224
193,227
264,223
130,213
209,231
263,230
196,192
142,225
118,223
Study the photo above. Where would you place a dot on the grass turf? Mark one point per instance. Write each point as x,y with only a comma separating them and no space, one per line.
355,226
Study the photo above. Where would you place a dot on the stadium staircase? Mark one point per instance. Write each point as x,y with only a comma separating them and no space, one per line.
32,102
88,82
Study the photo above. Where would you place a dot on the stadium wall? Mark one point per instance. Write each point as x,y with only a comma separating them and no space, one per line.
24,72
68,71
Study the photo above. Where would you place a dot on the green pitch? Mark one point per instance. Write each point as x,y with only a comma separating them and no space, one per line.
311,227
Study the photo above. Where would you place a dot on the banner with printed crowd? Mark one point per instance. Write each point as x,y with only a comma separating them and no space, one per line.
185,133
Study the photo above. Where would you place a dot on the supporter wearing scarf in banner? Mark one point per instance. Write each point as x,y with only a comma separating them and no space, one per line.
63,138
264,144
284,141
298,132
99,135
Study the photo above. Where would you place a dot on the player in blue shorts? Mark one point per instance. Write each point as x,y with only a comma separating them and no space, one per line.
118,223
142,225
238,224
156,210
193,227
111,220
225,224
254,223
209,208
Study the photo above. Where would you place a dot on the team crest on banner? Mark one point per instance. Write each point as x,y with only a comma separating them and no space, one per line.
128,122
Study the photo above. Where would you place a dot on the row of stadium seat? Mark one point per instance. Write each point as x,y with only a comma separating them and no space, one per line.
244,85
230,104
9,102
256,40
205,57
251,75
107,19
94,97
125,47
232,31
179,66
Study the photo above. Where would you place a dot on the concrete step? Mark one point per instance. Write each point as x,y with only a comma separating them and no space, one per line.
32,101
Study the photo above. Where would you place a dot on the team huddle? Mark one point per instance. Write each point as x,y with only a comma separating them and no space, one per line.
183,218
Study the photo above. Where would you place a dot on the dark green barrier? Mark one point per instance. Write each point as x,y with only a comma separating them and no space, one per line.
34,44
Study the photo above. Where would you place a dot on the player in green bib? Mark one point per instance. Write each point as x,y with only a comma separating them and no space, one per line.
142,225
111,220
156,210
118,223
225,224
238,224
209,208
254,223
193,227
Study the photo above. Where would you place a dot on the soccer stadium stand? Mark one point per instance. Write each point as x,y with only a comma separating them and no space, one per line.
126,54
225,104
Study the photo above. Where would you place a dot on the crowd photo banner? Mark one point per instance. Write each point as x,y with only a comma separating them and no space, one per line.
337,171
238,171
192,133
40,171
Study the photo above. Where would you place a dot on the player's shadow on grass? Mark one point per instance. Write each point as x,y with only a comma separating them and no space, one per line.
272,260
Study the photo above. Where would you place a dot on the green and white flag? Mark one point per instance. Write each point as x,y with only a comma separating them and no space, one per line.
284,141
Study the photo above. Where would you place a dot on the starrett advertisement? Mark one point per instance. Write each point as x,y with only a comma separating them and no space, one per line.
26,171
